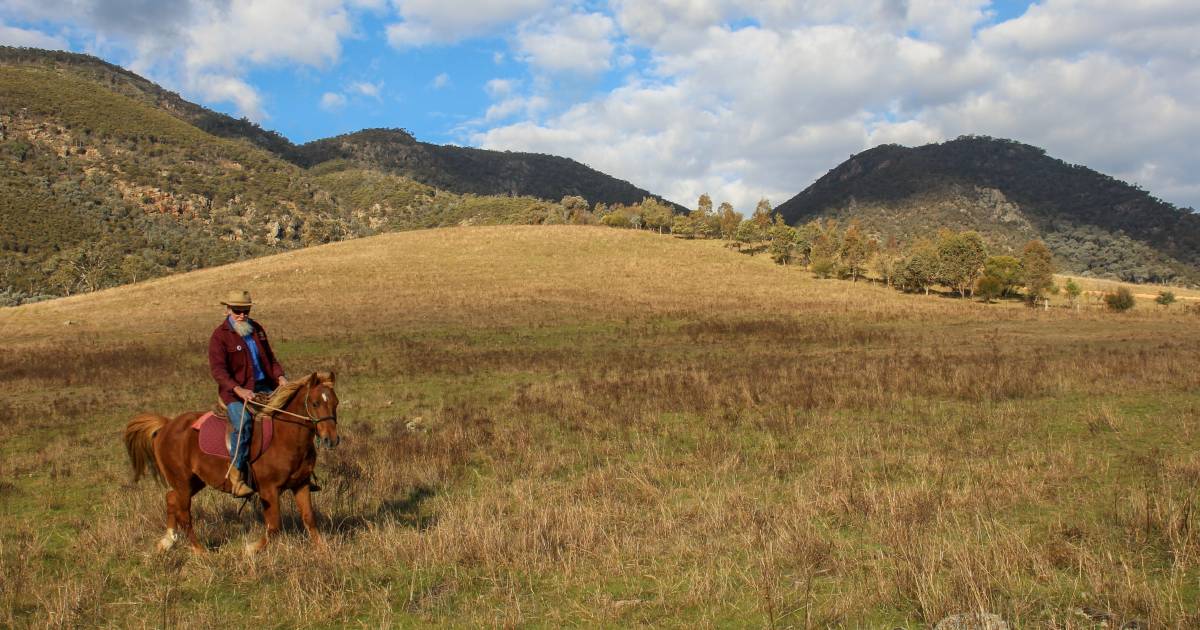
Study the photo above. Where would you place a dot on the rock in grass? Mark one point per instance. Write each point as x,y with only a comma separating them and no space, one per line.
972,621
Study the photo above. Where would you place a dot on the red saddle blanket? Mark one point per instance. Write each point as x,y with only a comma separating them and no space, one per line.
214,436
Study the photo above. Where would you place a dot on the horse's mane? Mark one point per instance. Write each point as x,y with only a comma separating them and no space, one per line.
284,393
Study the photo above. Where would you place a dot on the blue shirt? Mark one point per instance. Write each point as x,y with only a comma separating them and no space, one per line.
259,375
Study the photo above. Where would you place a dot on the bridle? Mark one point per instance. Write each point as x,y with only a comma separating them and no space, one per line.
310,421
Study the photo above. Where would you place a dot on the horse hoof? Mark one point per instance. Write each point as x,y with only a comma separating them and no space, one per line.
167,541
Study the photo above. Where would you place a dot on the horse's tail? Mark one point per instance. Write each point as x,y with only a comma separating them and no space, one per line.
139,443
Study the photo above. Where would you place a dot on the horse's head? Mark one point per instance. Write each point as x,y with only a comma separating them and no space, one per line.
320,404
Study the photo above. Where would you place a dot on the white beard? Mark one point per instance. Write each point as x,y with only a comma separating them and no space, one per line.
242,328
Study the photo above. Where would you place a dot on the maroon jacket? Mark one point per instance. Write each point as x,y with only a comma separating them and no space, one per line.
230,362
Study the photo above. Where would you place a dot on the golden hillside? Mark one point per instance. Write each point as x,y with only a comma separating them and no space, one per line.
585,426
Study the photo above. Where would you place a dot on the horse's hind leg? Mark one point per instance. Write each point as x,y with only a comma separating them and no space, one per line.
184,510
168,539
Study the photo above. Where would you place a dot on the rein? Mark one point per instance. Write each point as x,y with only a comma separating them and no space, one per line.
310,418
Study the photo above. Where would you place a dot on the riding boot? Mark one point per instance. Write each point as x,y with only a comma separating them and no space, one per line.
237,486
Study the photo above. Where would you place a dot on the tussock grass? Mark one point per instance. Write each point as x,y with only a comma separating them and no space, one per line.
572,425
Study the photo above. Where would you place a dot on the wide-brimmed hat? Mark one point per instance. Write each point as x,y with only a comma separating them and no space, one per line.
238,298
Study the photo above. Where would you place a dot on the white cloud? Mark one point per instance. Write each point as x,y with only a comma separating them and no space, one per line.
440,81
767,108
946,21
440,22
219,42
225,88
737,98
332,101
266,31
205,48
1065,27
13,36
528,106
367,88
574,43
500,88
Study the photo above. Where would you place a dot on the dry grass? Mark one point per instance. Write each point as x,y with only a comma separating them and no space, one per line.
586,426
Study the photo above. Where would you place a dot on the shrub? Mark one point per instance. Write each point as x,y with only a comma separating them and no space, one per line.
823,267
1165,298
1119,300
1073,291
989,287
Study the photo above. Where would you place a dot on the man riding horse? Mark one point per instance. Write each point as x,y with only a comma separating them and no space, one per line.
242,363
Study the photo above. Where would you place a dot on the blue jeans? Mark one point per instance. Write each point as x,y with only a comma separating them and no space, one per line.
242,428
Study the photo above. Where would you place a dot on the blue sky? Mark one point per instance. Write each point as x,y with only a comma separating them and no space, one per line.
742,100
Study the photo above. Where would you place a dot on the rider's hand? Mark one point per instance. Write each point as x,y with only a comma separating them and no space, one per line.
282,381
243,393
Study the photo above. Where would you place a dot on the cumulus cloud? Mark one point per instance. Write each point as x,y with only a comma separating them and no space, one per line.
749,112
579,42
113,18
1065,27
332,101
204,47
440,22
767,106
13,36
366,88
526,105
224,88
224,35
500,88
740,99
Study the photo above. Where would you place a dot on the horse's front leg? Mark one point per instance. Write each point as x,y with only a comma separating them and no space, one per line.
270,504
304,504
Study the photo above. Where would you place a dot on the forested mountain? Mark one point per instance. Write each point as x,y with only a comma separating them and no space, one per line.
450,168
1011,193
467,170
106,178
122,81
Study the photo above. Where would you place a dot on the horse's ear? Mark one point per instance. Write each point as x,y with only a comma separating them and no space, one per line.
325,378
331,378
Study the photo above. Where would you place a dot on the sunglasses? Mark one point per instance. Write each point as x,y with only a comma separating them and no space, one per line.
240,311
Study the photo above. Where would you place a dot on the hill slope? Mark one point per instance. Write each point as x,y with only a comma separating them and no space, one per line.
450,168
122,81
105,179
475,171
1011,192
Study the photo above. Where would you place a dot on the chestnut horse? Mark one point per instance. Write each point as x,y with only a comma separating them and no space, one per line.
303,410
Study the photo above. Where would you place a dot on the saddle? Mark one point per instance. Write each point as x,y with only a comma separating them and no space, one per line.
213,434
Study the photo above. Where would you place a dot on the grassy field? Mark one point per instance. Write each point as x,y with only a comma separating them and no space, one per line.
551,426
